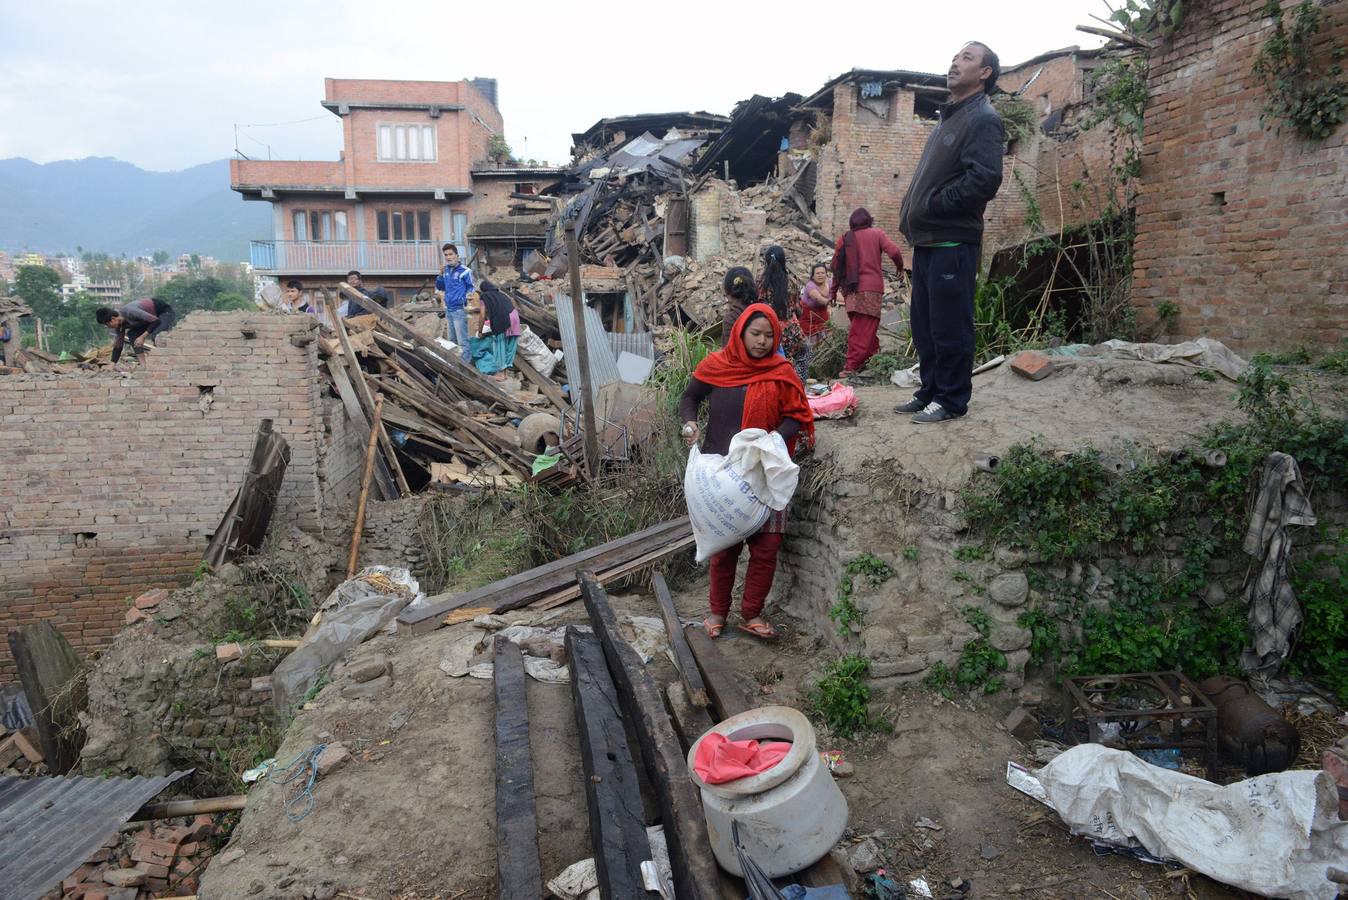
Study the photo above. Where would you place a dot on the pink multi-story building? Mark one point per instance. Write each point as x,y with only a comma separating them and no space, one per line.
402,187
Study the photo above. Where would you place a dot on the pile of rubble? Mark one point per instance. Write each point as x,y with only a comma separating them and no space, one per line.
159,859
21,753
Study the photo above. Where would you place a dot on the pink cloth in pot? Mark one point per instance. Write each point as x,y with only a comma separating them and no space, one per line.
720,759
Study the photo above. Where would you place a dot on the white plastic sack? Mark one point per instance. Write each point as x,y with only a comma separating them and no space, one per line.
1274,835
536,353
729,497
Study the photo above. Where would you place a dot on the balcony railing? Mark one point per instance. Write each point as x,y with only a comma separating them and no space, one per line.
340,257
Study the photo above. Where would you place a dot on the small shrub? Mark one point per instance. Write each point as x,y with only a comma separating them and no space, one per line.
979,667
845,611
841,697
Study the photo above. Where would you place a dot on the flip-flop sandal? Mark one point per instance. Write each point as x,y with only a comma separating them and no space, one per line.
713,630
759,630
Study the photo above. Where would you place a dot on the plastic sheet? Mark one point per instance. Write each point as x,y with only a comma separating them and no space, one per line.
1274,835
356,610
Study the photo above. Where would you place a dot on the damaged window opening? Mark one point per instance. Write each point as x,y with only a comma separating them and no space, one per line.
85,538
1219,200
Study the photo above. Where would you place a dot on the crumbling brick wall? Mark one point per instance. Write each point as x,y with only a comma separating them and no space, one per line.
116,481
870,159
1242,226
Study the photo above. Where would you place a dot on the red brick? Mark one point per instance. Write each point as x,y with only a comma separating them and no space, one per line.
1032,365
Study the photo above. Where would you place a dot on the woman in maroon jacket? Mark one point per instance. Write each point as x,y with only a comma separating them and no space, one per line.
857,270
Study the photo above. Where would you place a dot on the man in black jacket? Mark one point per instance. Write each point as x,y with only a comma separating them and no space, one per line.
942,217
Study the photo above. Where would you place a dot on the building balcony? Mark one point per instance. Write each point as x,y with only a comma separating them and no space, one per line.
339,257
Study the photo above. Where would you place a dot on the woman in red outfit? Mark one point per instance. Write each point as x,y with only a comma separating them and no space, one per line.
857,270
747,385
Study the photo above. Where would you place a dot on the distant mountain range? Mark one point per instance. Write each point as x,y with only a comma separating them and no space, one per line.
104,204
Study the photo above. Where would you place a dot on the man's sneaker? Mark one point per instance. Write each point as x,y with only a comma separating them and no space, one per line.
934,412
912,406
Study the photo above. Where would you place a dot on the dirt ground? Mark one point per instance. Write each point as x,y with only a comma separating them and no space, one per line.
412,814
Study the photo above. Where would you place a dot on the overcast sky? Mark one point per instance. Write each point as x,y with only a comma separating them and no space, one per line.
163,85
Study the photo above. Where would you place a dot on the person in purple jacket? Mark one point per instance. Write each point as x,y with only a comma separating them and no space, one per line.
138,320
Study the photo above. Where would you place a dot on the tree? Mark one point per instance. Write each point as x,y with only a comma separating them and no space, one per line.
4,287
40,288
160,257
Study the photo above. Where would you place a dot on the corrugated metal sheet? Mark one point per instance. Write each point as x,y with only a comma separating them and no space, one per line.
640,343
50,826
603,362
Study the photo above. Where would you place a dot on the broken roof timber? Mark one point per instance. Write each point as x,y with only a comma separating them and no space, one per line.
901,76
635,124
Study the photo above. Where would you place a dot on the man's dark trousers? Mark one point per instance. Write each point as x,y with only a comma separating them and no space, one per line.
943,323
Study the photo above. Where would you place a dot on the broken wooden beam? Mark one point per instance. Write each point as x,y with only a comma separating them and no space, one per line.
388,490
612,792
567,594
172,809
727,693
690,855
678,644
691,722
364,395
517,860
524,588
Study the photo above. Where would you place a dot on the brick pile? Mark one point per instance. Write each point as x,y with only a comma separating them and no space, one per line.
159,860
21,753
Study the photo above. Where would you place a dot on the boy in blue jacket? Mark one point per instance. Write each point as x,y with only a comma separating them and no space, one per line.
453,285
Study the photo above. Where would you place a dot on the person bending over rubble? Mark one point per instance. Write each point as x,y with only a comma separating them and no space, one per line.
495,326
747,385
139,320
740,291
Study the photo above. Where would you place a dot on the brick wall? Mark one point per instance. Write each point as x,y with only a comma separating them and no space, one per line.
870,161
1239,225
115,482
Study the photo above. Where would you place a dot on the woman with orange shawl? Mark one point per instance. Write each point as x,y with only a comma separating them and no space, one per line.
747,385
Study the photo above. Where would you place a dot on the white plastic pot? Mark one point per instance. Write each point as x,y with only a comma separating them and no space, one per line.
791,815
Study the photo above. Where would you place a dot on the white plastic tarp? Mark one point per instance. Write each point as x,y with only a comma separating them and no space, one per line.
1275,835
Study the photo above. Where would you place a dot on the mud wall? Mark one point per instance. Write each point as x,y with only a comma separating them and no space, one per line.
115,481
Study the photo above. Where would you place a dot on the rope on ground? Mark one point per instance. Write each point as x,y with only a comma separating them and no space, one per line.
304,764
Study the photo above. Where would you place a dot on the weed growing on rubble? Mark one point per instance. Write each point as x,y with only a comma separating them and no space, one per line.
940,679
845,611
1335,361
829,355
841,698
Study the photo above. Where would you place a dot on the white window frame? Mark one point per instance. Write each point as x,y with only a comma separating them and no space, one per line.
406,142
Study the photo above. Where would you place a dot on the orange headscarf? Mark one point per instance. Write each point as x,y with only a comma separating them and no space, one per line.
774,391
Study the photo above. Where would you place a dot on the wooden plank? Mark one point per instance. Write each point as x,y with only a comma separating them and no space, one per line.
528,586
466,615
571,592
456,370
683,657
383,477
690,855
547,386
363,393
728,695
612,792
691,722
517,860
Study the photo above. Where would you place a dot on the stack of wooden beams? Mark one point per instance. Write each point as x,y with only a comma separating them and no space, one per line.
452,423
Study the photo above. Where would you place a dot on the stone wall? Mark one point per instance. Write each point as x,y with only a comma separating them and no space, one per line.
915,619
1240,225
116,481
158,704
